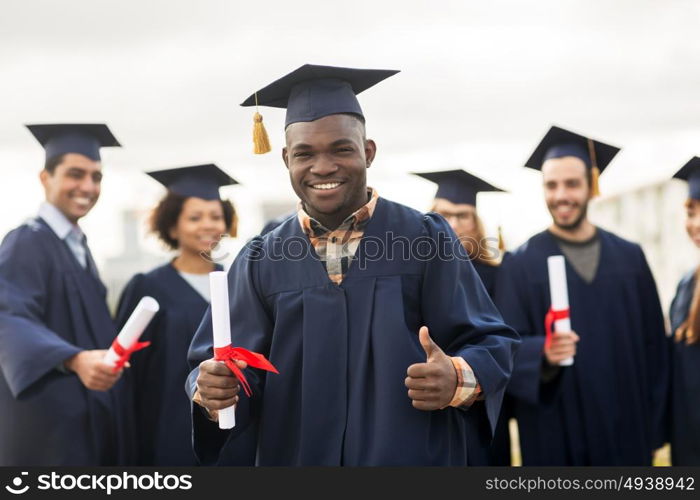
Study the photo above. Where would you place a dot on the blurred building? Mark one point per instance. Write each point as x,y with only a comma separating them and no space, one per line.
654,216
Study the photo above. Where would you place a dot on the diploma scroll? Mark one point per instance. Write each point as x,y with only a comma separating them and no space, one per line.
133,328
559,294
221,326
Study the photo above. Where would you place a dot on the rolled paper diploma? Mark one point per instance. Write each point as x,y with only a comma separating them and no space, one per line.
134,327
221,326
559,293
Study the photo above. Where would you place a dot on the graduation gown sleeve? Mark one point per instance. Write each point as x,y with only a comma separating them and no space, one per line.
28,349
464,321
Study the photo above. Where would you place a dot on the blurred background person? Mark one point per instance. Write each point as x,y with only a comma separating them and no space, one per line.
455,200
61,403
685,329
190,219
608,408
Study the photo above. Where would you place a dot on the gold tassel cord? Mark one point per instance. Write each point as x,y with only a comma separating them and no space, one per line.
501,242
261,141
595,189
595,171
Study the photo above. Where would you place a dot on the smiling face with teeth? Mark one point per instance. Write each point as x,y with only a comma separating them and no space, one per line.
73,186
327,161
566,191
199,226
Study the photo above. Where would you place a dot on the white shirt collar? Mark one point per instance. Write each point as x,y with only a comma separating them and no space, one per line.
56,220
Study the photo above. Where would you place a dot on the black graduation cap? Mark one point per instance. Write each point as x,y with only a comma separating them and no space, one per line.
312,92
83,138
199,181
559,142
691,173
458,186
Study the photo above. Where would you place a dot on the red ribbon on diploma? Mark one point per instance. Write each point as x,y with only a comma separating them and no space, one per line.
229,354
549,320
124,353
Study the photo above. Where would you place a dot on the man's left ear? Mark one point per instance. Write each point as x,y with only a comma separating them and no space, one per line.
370,151
284,157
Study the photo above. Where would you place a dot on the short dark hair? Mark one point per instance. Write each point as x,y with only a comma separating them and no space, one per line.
360,119
53,162
164,218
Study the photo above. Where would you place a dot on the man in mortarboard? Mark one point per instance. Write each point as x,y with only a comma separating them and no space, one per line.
379,355
455,200
61,404
607,408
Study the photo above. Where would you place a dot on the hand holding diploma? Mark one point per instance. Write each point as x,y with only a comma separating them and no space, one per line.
92,370
229,358
431,385
561,348
217,386
560,345
127,342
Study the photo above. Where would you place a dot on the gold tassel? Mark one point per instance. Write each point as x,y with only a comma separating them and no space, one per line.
595,171
595,189
501,242
261,142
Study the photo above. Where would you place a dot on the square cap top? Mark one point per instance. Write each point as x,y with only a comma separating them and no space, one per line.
559,142
458,186
311,91
81,138
199,181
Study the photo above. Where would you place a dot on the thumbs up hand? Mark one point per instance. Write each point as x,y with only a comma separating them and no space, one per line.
431,385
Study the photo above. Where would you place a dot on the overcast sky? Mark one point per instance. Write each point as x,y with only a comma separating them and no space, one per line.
480,83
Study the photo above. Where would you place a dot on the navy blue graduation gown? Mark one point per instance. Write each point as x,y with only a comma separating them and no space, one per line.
50,309
685,383
343,350
273,223
162,408
487,274
608,408
496,451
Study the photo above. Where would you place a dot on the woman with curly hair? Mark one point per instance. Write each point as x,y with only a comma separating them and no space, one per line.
190,219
